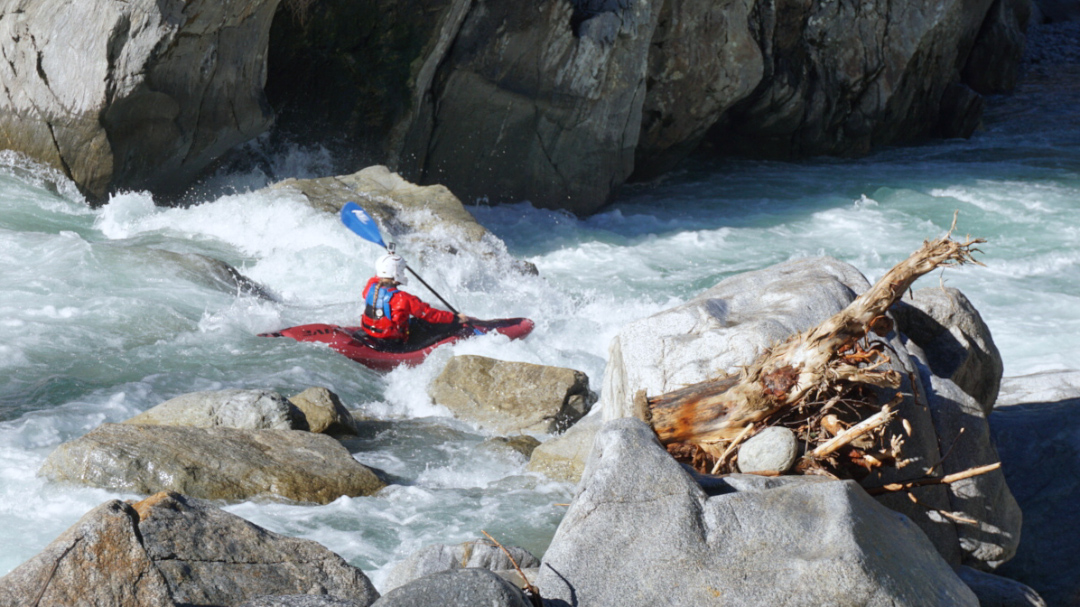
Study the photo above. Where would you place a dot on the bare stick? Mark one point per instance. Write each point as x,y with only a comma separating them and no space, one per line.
528,586
943,480
731,447
867,425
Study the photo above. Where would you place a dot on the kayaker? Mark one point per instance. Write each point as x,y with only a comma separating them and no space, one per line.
393,316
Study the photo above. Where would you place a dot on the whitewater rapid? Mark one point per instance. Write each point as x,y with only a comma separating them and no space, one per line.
107,312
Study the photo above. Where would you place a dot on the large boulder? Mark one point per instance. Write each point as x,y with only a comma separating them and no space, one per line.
957,343
140,94
1039,444
170,550
212,463
541,105
467,555
731,324
726,326
211,557
641,531
100,560
456,588
426,219
507,397
240,409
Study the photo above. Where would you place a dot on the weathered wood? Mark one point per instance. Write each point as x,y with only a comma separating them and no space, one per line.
807,364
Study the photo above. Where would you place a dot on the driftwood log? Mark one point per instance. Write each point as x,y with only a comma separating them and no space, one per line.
819,382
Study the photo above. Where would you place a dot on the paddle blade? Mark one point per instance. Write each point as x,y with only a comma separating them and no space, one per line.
360,223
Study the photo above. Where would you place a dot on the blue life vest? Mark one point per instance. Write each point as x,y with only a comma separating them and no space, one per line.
376,320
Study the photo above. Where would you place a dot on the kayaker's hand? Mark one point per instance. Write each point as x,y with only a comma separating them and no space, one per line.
465,319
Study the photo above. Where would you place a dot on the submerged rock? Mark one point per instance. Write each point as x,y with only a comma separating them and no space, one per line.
212,463
511,396
641,531
441,557
240,409
563,457
426,219
324,412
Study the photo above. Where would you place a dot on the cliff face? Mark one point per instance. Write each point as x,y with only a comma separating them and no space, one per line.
138,94
559,102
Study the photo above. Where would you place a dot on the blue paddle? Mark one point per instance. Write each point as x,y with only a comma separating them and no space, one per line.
361,224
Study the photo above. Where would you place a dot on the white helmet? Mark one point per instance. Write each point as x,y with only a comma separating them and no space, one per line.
391,266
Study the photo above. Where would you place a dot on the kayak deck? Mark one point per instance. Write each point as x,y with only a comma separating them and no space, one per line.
353,343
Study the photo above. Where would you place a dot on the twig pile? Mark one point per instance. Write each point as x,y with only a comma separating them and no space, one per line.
824,384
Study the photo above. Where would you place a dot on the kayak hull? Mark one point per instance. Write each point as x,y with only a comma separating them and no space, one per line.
353,343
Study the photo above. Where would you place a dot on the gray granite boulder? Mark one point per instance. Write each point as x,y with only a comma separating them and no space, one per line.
1039,445
211,557
563,457
724,327
479,554
324,412
986,499
212,463
137,95
240,409
996,591
641,531
100,560
957,343
507,397
302,600
457,588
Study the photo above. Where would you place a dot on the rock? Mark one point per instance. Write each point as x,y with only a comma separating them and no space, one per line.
839,79
773,449
212,463
457,588
1046,387
324,412
100,560
703,60
302,600
424,219
996,591
522,444
963,430
240,409
563,458
441,557
994,63
641,531
542,106
957,342
172,550
134,95
510,396
515,578
1039,445
724,327
211,557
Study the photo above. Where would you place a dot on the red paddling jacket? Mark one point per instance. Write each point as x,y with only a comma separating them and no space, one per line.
387,311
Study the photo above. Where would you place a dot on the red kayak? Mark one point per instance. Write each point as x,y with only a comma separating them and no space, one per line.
354,343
